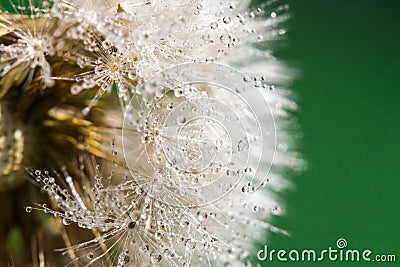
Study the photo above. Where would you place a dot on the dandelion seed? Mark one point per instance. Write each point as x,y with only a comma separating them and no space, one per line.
33,42
108,69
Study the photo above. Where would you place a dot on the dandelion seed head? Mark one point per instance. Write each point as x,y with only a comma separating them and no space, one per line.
191,191
194,178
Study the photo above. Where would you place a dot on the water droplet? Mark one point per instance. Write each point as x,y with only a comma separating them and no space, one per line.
90,255
106,44
276,210
28,209
190,244
214,25
226,39
181,120
245,189
139,190
131,225
202,215
246,78
184,222
206,38
156,258
85,111
66,221
227,19
132,74
241,19
144,248
123,259
76,89
243,145
158,235
178,92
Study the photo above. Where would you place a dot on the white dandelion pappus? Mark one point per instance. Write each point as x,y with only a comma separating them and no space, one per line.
201,129
206,136
199,139
138,230
83,15
161,34
194,206
33,42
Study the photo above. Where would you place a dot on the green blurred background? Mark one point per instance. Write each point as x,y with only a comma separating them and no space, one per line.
349,93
